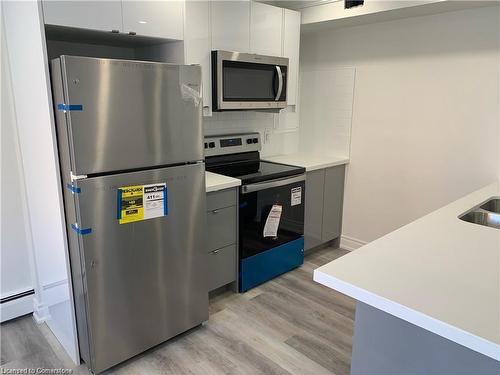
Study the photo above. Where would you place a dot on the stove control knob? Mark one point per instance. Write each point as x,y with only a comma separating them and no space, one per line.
206,145
255,140
249,141
211,145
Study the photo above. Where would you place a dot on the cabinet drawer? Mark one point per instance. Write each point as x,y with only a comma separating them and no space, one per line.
221,227
221,199
222,267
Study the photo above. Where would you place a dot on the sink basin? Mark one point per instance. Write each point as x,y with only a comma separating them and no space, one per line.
492,205
486,213
482,217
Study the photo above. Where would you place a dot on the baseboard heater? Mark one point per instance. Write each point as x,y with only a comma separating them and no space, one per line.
17,296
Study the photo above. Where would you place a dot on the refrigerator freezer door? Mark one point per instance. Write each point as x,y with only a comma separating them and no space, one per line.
123,114
144,280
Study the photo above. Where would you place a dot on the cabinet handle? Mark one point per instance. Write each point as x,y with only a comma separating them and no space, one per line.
132,33
115,31
215,251
215,211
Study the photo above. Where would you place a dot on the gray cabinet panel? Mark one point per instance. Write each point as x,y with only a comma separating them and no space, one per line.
333,202
313,222
221,199
222,266
221,224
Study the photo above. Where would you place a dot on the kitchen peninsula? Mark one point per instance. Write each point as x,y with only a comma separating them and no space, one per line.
428,295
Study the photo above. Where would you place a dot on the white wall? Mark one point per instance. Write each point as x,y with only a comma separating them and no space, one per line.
15,274
426,120
26,50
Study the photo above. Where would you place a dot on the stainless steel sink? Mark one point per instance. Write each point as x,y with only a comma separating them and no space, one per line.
487,214
492,205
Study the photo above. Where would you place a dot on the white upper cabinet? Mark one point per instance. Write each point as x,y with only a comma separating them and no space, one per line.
160,19
97,15
197,43
291,46
266,25
230,25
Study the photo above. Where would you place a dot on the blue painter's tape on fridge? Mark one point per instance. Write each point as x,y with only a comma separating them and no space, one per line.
165,204
81,231
73,189
119,204
264,266
69,107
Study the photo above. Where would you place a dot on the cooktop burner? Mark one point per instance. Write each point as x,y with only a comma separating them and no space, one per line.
255,171
237,155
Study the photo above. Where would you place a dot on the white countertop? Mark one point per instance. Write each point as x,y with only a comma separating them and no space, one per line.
309,161
214,182
438,272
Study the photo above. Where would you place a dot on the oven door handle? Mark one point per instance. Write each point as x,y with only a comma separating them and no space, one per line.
250,188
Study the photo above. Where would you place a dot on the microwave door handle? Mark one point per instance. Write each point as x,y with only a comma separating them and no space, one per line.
280,83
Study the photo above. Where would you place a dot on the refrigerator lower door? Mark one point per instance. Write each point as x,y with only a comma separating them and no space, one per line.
144,281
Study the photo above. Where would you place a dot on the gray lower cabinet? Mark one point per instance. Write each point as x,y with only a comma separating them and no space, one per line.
324,202
222,229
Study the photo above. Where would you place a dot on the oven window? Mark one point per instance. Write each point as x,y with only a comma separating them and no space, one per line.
244,81
254,210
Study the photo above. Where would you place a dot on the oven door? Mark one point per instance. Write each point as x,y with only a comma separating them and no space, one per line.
256,203
248,81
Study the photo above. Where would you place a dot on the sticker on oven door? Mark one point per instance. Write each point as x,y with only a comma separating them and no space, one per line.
142,202
296,196
273,221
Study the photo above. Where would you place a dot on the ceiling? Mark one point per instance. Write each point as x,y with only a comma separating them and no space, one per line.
296,4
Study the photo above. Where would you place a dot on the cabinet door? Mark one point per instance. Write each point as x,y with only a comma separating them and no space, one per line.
266,25
333,202
291,45
161,19
230,21
197,43
96,15
313,220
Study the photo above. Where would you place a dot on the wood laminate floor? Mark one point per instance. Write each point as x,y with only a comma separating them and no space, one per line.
290,325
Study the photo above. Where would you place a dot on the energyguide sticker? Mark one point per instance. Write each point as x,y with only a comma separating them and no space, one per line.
142,202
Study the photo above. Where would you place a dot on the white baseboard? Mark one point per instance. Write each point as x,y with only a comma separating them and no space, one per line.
350,243
18,307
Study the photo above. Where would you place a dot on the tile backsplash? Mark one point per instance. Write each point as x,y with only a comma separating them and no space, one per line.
279,131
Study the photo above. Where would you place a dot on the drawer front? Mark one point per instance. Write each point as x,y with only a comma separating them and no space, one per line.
221,227
221,199
222,267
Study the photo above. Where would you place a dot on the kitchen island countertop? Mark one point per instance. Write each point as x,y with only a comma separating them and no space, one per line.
439,273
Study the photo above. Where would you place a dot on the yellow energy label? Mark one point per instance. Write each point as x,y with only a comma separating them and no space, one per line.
142,202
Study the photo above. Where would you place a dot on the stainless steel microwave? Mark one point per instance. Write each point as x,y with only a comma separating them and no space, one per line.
246,81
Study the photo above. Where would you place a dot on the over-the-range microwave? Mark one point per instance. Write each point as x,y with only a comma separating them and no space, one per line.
243,81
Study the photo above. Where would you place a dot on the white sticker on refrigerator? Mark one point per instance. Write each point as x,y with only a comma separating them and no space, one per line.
273,221
296,196
155,200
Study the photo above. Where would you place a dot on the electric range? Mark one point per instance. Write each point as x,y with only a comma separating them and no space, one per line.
271,207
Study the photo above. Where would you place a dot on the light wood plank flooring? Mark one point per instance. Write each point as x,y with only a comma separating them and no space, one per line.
290,325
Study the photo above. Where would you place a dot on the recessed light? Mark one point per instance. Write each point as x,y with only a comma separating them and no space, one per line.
142,22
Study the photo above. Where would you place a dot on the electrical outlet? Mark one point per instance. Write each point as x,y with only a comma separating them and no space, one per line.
267,136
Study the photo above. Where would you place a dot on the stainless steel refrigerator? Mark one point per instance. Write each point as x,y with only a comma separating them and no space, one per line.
130,149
